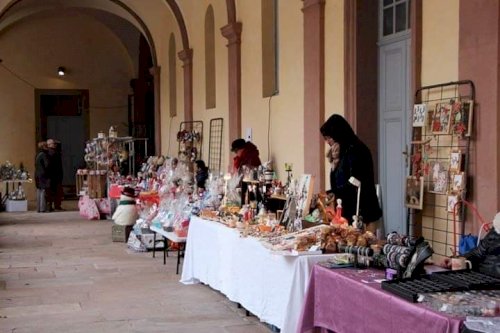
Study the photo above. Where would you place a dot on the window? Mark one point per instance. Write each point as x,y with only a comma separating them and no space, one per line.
172,77
395,17
210,85
269,47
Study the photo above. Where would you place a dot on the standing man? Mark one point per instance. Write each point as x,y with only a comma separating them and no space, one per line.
42,179
56,174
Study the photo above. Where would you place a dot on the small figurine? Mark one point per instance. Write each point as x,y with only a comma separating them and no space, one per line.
126,212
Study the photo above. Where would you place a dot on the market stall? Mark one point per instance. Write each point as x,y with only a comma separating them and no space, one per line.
346,300
271,286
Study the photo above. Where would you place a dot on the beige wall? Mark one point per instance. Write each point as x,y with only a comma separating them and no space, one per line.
334,65
194,14
439,65
161,23
439,41
33,49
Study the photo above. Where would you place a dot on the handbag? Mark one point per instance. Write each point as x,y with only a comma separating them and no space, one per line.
467,242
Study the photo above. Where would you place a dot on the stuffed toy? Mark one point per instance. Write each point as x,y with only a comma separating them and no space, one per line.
126,212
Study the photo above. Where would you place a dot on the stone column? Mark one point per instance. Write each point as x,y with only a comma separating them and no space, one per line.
314,89
232,32
478,59
155,71
186,56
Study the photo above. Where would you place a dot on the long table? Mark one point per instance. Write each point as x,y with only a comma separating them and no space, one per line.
270,286
172,237
347,300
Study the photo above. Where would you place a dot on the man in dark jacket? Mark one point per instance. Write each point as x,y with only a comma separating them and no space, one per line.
56,174
42,176
354,160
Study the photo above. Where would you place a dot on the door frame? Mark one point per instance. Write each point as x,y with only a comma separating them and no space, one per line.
39,117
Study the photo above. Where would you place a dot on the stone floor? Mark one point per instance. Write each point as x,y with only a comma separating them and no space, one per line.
60,273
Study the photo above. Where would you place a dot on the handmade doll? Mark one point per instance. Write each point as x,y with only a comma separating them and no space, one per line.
126,212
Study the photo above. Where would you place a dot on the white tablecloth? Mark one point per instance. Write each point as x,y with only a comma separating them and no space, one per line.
270,286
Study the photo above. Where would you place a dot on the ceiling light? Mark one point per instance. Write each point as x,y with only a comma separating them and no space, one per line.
61,71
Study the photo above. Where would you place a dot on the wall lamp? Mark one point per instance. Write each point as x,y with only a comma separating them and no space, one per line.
61,71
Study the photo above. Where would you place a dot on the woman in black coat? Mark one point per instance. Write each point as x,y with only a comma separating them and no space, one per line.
352,159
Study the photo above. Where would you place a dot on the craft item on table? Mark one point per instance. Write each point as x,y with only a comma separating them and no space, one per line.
126,212
339,219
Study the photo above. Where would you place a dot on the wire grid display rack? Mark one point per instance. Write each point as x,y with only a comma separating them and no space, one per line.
215,145
440,155
190,138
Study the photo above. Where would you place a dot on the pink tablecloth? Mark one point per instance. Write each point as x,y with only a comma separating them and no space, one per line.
338,300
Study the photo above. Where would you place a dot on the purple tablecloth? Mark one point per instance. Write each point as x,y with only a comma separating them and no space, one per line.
340,301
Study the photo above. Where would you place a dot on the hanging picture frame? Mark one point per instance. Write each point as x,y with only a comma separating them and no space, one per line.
441,119
414,197
419,115
451,202
461,118
458,182
438,177
455,161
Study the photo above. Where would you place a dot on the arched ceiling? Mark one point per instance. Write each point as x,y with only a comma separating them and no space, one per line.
118,18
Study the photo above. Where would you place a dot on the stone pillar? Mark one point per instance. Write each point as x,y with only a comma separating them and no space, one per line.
478,59
155,71
232,32
186,56
314,90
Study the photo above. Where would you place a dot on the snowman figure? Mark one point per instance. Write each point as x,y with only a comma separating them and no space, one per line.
126,212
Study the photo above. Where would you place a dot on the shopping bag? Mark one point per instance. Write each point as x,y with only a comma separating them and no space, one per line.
467,243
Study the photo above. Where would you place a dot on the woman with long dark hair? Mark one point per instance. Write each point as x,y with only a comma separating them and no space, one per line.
351,158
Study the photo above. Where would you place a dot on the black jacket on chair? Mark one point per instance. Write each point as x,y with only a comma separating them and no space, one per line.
486,256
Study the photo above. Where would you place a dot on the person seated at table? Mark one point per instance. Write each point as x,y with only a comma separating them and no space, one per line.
201,174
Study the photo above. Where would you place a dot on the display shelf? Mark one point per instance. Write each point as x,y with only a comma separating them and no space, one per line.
442,123
190,138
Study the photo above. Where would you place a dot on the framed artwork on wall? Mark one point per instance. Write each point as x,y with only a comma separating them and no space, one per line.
461,118
438,177
414,197
419,115
455,161
457,182
441,119
451,202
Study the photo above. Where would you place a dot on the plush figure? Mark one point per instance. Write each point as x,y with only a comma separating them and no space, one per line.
126,212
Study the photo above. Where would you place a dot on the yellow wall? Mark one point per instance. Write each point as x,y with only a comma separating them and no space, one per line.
334,64
194,15
439,41
439,65
33,49
161,23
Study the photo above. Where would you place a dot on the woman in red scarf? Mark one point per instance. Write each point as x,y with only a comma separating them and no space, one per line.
246,154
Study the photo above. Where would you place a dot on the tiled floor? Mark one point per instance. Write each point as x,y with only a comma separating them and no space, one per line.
60,273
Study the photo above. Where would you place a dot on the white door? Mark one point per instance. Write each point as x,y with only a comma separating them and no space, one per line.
394,106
